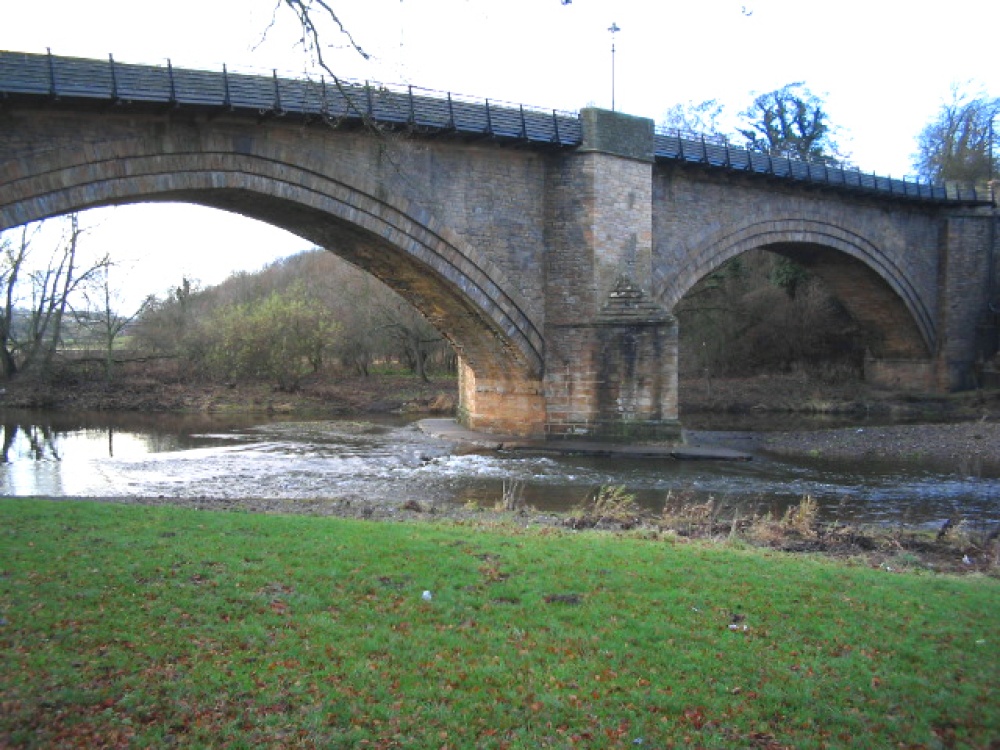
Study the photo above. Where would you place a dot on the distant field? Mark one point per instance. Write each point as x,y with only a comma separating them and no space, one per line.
125,626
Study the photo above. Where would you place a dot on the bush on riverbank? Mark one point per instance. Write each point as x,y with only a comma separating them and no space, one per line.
152,626
957,547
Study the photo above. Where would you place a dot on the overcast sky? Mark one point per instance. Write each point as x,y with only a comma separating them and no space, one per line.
883,68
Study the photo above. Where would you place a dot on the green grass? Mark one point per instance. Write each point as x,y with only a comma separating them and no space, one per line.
136,626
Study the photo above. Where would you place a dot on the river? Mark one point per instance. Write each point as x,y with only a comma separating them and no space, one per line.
386,458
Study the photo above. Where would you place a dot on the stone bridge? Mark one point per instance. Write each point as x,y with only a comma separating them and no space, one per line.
550,249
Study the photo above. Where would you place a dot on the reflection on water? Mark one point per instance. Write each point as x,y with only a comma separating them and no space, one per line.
39,435
158,455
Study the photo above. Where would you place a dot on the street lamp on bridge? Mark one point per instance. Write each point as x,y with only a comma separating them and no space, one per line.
614,29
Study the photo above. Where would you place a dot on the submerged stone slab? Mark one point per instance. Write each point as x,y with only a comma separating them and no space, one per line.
449,429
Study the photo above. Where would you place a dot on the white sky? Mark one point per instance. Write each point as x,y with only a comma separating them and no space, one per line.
882,66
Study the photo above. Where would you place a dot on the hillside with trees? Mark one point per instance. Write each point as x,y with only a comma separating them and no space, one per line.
302,316
309,330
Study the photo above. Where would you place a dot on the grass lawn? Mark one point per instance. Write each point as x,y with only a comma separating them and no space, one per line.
125,626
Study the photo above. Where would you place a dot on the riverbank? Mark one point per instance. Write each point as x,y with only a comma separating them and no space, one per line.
966,447
960,549
706,406
344,396
958,432
794,395
954,432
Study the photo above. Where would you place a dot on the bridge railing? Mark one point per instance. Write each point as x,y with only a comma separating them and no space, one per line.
717,151
27,74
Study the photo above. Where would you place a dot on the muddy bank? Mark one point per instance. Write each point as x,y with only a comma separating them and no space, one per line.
378,394
968,448
958,432
959,428
700,399
795,394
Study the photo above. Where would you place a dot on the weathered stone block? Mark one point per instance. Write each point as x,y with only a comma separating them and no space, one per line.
617,134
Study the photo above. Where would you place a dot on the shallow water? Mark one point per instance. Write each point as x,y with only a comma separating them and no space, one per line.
116,455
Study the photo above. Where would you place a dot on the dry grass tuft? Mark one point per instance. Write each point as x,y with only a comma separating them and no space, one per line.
609,506
512,498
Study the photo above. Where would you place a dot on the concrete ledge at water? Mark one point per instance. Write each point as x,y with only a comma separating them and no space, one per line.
449,429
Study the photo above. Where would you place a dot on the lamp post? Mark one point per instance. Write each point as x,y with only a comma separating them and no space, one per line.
614,29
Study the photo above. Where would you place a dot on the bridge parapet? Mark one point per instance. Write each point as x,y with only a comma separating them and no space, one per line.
25,75
78,80
718,153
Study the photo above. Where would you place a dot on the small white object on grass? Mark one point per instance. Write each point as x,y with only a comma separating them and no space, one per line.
427,596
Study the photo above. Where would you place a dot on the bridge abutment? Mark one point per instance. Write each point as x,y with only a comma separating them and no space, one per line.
501,406
614,377
965,288
611,349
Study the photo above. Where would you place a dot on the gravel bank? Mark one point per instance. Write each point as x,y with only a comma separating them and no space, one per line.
967,447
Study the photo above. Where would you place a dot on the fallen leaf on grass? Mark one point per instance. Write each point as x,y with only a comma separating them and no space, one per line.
563,599
493,574
506,600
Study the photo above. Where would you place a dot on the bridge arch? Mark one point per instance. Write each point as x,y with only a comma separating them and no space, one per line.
874,290
463,294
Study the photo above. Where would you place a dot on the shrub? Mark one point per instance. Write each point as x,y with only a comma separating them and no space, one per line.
282,338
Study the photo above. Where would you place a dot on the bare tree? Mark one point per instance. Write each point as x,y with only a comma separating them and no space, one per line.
14,256
790,121
313,16
740,321
701,118
103,314
956,145
414,335
52,287
319,26
40,290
